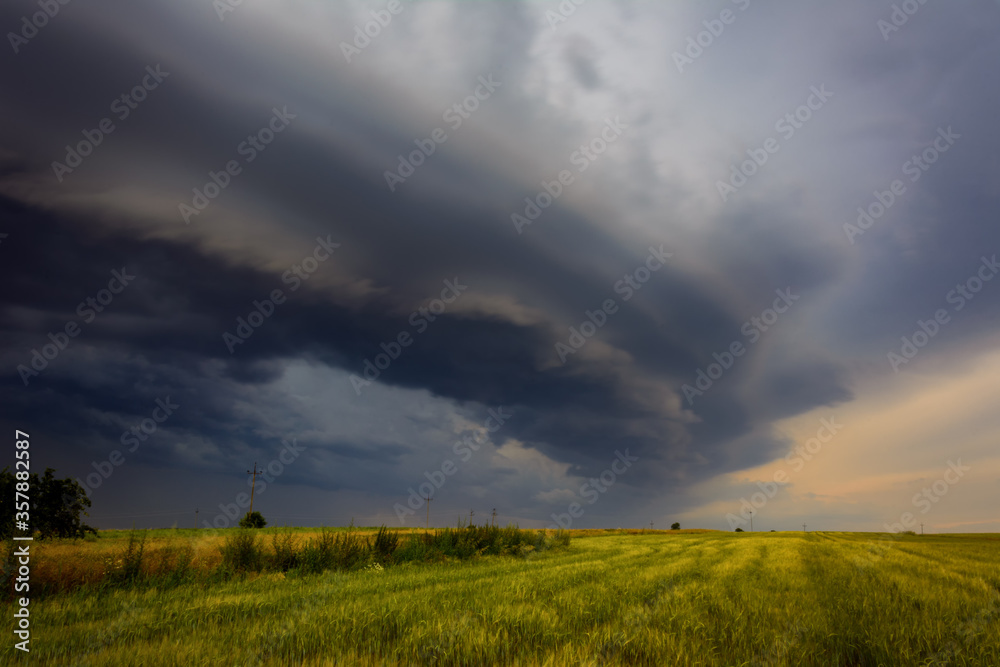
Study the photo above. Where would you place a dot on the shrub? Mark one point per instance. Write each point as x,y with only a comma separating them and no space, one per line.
126,569
675,526
348,550
284,557
318,554
561,538
469,541
242,553
738,530
385,545
415,548
253,520
329,551
171,566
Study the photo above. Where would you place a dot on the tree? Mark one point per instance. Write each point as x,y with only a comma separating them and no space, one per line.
55,505
253,520
675,526
738,530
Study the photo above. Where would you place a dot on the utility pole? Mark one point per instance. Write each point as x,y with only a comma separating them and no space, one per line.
803,528
921,529
253,483
751,521
429,499
650,526
195,517
471,513
494,517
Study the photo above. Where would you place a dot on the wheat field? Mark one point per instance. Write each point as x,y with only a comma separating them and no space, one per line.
610,598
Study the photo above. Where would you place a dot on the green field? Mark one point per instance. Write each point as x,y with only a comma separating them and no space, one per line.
660,598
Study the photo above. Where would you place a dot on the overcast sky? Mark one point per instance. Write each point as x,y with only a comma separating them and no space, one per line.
597,265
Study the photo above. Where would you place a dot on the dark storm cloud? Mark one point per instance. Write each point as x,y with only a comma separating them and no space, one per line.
324,176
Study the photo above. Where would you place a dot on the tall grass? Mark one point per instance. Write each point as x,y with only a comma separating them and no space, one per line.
126,569
656,599
168,558
242,552
127,560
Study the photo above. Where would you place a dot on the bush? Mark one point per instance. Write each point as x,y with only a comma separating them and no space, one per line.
318,554
171,566
385,545
738,530
675,526
349,550
335,551
284,557
253,520
126,569
470,541
415,548
242,553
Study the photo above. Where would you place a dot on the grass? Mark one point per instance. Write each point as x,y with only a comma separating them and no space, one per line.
143,558
610,598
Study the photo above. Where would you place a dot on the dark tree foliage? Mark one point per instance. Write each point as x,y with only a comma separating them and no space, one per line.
675,526
56,505
253,520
